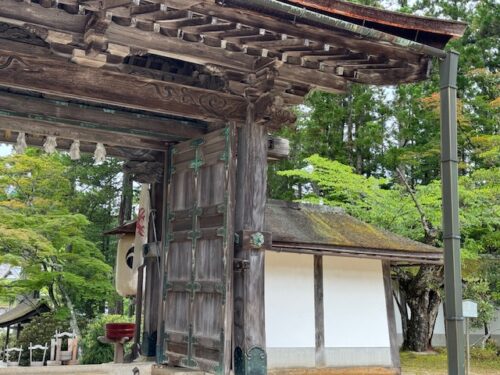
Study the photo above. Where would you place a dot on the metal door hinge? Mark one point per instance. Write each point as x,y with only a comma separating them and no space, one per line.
241,265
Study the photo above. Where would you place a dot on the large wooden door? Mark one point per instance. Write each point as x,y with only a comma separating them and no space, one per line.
197,284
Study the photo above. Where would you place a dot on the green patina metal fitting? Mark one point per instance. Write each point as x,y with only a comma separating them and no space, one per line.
197,163
222,208
196,211
194,235
236,238
189,362
224,156
165,286
257,240
193,287
197,142
160,355
254,362
220,288
222,232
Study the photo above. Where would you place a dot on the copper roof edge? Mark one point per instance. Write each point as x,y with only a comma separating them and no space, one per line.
451,28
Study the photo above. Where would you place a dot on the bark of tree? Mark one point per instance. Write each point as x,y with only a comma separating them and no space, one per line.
420,291
73,321
423,299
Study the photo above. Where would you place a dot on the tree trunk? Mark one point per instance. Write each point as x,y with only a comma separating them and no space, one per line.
423,301
73,322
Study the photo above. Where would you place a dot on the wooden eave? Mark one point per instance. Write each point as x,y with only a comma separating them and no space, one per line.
105,71
227,37
394,256
377,17
323,230
23,312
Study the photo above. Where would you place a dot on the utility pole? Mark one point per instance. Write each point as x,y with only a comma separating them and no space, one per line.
451,225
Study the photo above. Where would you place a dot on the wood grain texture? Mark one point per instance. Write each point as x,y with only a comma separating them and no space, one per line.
249,319
391,317
106,118
319,311
152,274
42,73
199,253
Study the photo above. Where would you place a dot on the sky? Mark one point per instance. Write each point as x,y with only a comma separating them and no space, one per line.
5,149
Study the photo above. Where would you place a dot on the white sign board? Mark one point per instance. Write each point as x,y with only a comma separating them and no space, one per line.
470,308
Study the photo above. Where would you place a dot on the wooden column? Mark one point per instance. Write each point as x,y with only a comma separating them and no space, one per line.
251,189
7,337
152,275
319,311
391,318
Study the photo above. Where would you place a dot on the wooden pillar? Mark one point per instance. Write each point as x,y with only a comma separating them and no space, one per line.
152,274
319,311
7,337
249,313
391,318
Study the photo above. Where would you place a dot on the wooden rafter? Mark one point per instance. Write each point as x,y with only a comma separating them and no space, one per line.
35,71
226,37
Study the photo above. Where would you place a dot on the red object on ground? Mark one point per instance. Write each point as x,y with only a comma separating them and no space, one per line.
117,331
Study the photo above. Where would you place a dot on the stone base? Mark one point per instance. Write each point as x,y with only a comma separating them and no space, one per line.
105,369
165,370
54,363
337,371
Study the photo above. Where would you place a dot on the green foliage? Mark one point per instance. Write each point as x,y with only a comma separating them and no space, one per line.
39,332
39,233
95,352
390,206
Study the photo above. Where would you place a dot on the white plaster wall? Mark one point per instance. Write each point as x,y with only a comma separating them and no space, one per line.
355,309
289,297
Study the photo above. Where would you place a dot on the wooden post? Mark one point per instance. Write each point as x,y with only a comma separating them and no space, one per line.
391,319
249,313
152,276
319,311
7,337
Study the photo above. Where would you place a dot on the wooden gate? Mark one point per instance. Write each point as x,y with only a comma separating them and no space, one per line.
197,286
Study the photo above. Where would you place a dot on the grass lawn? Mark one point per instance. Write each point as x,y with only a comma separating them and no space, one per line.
435,364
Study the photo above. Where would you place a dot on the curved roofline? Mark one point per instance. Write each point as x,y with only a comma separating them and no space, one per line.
360,12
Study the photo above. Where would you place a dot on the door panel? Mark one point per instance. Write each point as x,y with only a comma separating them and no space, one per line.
199,253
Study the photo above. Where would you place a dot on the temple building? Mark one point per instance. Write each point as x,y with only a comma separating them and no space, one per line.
189,94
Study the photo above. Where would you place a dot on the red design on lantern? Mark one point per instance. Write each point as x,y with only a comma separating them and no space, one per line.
141,218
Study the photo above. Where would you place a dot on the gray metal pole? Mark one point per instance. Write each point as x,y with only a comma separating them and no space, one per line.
451,229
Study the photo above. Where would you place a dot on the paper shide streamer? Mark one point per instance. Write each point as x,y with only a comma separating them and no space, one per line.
50,145
74,150
21,145
100,153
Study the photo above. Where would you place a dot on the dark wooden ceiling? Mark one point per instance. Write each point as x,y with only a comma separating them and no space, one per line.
139,74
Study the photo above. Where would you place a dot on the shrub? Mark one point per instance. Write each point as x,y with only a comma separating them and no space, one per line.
39,332
95,352
490,352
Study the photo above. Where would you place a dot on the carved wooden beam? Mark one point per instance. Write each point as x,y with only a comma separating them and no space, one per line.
36,71
88,116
